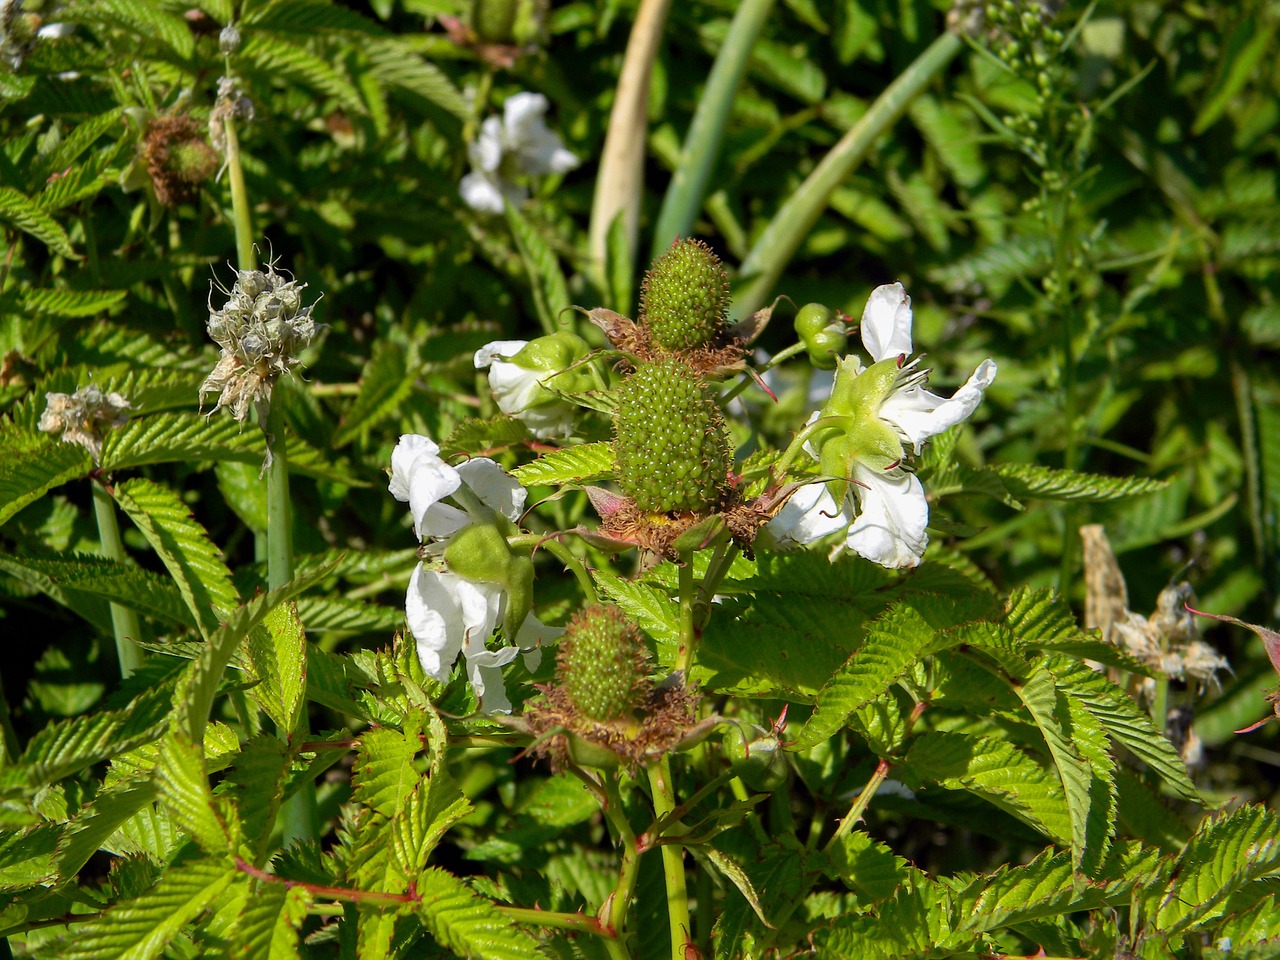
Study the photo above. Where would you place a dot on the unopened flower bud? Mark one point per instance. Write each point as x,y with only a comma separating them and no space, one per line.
228,40
756,758
823,333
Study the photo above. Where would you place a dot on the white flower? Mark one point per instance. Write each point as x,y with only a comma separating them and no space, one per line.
449,613
517,144
521,390
877,415
420,478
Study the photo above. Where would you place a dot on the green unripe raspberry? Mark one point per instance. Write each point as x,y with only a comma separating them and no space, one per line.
685,298
601,664
670,441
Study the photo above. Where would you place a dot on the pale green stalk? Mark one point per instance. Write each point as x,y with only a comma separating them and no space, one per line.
299,813
620,183
628,870
688,641
701,147
789,227
124,620
664,802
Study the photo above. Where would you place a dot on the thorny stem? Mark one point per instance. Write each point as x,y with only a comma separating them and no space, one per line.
561,552
334,893
124,620
672,859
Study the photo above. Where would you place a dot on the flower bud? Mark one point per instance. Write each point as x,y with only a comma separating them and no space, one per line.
823,333
756,758
228,40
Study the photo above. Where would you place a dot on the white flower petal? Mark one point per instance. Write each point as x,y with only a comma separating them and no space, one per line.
890,528
886,322
486,680
495,487
407,451
515,388
435,619
430,481
918,414
498,349
522,116
441,521
809,515
481,192
532,636
485,152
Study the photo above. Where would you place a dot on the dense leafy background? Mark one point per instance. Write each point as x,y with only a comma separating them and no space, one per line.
1111,239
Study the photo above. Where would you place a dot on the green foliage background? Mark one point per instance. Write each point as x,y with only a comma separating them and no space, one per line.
1104,225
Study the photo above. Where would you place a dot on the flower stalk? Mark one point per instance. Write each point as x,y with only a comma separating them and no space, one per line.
124,620
672,860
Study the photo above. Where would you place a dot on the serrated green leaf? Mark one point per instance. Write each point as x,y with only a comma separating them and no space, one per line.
891,645
79,139
1078,747
185,793
651,608
1125,722
385,383
468,924
184,547
1223,855
384,775
400,68
482,437
995,770
299,17
30,573
177,438
144,21
139,929
866,865
269,922
27,215
256,782
1040,614
1032,481
434,806
30,466
546,280
87,833
71,579
67,746
274,55
578,464
28,857
63,303
276,662
199,683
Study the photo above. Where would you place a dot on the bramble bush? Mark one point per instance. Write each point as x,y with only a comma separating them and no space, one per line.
503,479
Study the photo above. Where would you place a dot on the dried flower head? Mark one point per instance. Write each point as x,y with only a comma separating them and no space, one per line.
84,416
262,328
178,158
230,104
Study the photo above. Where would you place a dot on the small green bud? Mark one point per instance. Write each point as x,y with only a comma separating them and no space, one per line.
759,761
684,301
602,664
823,334
555,354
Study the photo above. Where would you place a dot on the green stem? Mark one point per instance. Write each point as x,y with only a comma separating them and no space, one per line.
688,638
124,620
854,816
701,146
777,358
562,553
628,870
778,243
807,433
239,200
672,860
